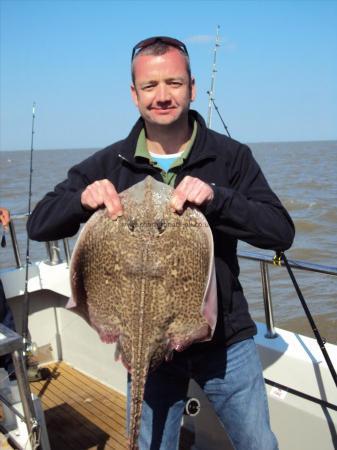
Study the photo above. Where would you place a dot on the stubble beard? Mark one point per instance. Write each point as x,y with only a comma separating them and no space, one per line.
167,123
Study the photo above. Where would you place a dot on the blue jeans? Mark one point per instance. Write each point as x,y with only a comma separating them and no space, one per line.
233,382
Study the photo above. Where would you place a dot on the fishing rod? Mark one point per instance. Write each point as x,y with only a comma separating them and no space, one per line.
279,255
25,307
314,328
25,312
34,373
211,92
217,110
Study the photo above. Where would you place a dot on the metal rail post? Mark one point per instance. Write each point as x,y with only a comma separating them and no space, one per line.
26,398
67,250
15,245
268,308
54,254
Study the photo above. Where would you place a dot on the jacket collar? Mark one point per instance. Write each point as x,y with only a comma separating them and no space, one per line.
198,153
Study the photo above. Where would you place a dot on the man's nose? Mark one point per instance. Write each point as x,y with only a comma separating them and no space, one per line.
163,93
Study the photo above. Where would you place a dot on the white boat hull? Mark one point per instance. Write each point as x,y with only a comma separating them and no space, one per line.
302,404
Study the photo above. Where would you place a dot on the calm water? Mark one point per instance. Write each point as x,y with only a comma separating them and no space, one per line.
303,174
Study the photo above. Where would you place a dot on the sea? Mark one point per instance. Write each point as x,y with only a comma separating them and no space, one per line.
303,175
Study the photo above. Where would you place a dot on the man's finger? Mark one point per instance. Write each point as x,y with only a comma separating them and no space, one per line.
178,201
112,200
192,190
91,197
179,195
185,191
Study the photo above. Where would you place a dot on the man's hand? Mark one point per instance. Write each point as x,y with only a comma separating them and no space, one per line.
191,190
102,193
4,217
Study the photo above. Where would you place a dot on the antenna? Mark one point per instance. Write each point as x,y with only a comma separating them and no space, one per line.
211,92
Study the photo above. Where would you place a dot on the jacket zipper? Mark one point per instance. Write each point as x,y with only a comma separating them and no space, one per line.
149,168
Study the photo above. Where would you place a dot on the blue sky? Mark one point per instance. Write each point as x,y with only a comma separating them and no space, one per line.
276,79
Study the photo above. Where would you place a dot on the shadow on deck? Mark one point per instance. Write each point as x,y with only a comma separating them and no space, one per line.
83,414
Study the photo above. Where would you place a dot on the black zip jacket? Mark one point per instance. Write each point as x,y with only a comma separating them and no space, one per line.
244,207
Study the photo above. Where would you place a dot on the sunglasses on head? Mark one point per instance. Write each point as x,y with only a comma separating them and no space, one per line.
152,40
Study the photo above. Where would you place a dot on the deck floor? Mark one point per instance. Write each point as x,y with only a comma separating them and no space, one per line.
82,413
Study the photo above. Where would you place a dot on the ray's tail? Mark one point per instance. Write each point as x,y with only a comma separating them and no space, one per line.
137,395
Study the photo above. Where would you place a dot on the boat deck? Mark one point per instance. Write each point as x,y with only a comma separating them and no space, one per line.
82,413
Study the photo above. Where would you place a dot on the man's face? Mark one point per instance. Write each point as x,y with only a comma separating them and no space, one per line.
162,90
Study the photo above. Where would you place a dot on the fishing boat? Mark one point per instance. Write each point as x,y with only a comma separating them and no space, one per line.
81,403
84,397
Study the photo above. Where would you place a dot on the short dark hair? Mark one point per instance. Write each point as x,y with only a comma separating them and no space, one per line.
157,49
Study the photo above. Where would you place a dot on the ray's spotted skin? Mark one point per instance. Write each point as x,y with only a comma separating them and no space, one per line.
145,281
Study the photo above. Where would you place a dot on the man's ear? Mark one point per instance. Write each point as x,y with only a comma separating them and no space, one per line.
134,94
193,89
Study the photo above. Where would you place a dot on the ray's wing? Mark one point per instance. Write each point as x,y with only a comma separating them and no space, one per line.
184,305
96,276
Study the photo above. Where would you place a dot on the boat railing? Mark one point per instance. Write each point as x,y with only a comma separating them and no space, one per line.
52,247
55,257
12,343
14,238
266,260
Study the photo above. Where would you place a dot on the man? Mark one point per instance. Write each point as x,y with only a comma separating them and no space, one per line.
172,143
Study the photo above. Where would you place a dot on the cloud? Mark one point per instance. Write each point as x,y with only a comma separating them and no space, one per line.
200,39
226,44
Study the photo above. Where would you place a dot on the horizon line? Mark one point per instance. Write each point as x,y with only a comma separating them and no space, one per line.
100,147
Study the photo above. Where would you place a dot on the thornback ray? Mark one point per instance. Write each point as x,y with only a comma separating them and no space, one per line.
145,281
